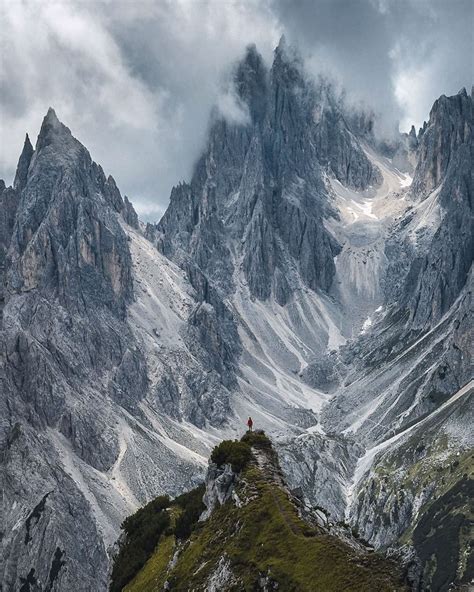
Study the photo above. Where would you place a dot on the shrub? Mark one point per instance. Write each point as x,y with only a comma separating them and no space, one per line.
232,452
136,522
258,439
192,506
143,530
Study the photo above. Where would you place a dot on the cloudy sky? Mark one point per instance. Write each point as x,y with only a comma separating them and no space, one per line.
135,80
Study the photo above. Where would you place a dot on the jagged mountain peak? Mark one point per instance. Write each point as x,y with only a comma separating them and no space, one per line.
251,82
449,127
51,117
62,194
288,65
27,142
286,52
23,164
51,128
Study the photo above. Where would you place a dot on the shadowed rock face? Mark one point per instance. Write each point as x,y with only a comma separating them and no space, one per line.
437,276
449,127
257,198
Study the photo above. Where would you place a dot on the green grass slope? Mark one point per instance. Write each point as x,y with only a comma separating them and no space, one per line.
260,543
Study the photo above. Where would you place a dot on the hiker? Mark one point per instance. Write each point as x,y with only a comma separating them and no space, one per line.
250,424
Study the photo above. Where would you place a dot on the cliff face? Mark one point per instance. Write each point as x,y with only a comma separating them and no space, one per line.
446,153
449,127
257,198
67,282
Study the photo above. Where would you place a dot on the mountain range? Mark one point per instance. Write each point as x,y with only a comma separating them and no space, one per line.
309,275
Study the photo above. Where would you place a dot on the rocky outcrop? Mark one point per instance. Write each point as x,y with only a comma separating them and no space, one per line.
236,546
220,485
129,214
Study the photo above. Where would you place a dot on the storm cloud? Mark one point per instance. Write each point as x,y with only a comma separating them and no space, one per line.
135,81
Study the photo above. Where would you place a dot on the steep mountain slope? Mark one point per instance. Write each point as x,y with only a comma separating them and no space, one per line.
255,535
76,432
420,491
419,342
408,388
390,293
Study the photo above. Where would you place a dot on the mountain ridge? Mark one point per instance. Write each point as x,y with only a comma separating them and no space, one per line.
268,538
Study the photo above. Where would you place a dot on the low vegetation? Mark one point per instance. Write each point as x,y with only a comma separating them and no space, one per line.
232,452
159,520
191,507
258,439
142,531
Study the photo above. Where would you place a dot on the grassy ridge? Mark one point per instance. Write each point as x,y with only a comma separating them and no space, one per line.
264,538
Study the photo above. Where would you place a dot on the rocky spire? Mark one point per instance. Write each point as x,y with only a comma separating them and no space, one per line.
23,165
412,139
251,83
52,130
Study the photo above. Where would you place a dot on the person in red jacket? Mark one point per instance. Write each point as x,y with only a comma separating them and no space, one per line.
250,424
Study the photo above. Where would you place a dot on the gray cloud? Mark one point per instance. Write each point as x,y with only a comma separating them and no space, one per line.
135,81
397,56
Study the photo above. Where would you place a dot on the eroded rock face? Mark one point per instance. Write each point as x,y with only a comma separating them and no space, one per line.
449,127
42,550
65,344
415,365
417,491
322,467
446,154
257,198
220,483
65,235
